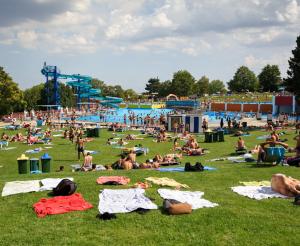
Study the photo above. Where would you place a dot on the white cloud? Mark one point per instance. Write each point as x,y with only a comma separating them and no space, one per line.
187,26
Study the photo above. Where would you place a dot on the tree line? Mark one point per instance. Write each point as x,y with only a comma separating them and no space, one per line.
13,99
244,80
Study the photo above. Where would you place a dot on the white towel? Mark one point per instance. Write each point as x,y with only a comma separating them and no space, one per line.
194,198
123,201
50,183
257,192
16,187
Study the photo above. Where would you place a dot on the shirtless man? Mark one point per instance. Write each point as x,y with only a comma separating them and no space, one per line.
80,147
240,144
87,164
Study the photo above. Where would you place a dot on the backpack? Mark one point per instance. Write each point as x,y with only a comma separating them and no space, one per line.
174,207
65,187
197,168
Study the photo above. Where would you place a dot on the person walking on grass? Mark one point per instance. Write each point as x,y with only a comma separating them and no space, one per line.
80,147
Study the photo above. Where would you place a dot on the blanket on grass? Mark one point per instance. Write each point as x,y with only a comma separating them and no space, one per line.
181,169
257,192
166,182
123,201
61,205
194,198
17,187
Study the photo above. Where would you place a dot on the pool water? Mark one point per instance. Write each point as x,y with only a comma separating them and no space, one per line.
118,115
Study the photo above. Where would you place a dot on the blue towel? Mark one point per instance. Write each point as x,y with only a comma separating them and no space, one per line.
181,169
277,152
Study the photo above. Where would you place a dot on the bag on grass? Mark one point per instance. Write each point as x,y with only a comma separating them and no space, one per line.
197,168
65,187
174,207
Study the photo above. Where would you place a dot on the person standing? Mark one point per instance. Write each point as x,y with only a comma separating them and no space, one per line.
80,147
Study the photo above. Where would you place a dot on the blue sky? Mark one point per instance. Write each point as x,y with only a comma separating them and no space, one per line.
127,42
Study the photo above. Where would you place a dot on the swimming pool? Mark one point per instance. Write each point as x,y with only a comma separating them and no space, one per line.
118,115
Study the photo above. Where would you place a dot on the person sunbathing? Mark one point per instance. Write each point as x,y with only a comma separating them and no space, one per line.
121,142
149,164
262,149
284,185
88,161
195,151
240,145
176,145
4,136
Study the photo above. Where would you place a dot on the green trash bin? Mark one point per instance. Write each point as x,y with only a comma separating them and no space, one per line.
34,164
221,136
97,132
45,160
89,132
208,137
22,164
215,136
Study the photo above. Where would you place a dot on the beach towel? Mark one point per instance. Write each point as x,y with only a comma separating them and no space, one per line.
166,182
263,137
92,152
60,205
257,192
123,201
113,180
194,198
3,143
57,135
256,183
17,187
8,148
181,169
51,183
33,151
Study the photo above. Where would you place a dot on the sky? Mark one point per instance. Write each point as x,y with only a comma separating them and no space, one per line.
126,42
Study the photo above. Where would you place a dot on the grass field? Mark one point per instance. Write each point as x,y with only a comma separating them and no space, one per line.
236,221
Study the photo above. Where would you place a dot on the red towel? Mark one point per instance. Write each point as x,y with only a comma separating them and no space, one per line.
113,180
61,205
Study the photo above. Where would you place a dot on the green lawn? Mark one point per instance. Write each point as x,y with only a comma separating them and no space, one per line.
236,221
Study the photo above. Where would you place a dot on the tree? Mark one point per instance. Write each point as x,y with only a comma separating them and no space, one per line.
182,83
38,95
216,86
33,96
202,86
165,88
243,80
269,78
11,97
292,82
153,85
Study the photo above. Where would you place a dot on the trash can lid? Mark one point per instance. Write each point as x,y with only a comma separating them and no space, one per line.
45,156
23,157
34,159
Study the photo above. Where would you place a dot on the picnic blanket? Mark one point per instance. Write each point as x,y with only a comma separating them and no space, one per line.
33,151
257,192
113,180
17,187
166,182
61,205
181,169
123,201
50,183
194,198
92,152
256,183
